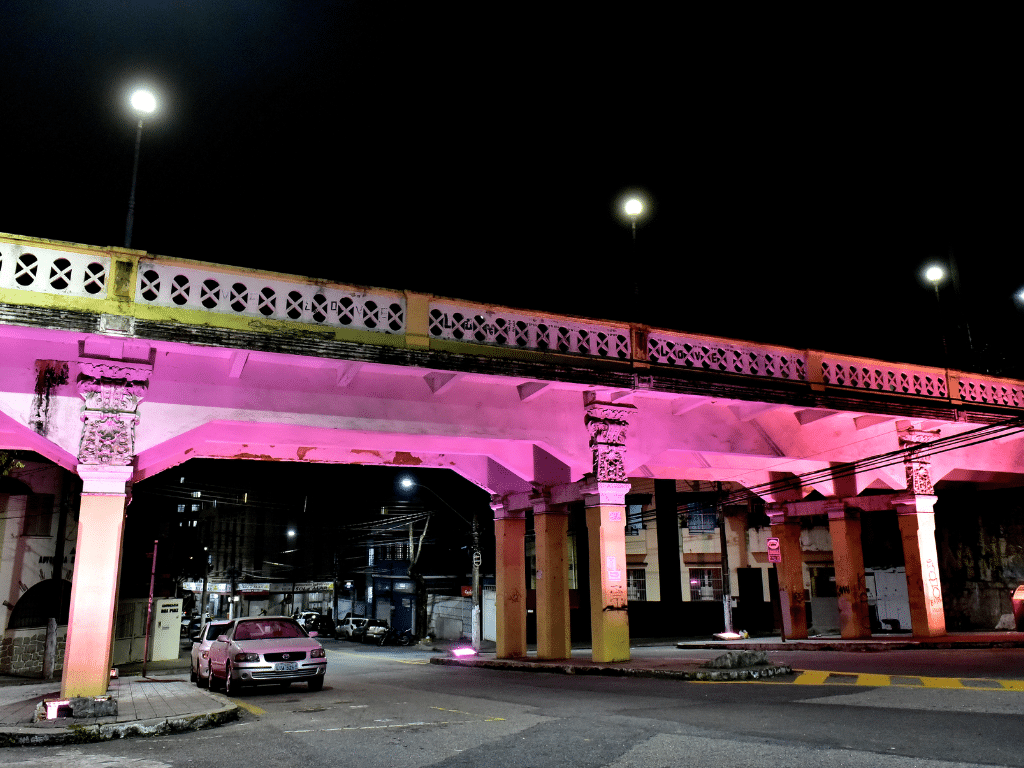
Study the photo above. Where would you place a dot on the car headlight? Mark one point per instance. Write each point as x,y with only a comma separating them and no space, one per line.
318,653
247,657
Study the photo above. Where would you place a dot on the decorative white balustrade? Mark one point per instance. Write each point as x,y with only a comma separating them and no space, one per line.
718,355
44,270
881,377
994,392
506,328
253,295
26,267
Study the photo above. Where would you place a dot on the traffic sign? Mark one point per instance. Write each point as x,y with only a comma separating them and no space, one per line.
774,550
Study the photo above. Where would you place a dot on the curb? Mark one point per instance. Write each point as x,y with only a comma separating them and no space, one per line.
852,646
746,673
86,734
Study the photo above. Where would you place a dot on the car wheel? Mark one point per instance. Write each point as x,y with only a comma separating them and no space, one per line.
203,681
192,676
232,687
316,683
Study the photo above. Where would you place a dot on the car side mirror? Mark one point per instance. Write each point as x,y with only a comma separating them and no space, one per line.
314,633
222,639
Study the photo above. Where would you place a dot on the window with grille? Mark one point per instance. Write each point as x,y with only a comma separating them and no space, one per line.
705,583
636,584
39,515
634,519
702,519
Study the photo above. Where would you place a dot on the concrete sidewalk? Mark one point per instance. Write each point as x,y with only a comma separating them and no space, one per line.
162,702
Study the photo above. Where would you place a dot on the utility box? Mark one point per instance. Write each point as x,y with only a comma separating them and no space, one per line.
130,630
1017,600
165,635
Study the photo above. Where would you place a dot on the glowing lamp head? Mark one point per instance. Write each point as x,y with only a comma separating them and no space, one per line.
934,274
634,207
407,483
143,101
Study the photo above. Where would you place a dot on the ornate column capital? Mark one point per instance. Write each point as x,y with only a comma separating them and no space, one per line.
500,507
101,480
112,390
914,503
607,423
776,512
912,438
836,509
596,492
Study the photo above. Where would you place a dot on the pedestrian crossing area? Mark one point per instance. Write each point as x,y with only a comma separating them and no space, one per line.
815,677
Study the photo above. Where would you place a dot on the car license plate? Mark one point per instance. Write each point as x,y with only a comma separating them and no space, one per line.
286,666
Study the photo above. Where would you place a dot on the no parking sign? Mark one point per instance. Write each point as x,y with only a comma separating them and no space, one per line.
774,550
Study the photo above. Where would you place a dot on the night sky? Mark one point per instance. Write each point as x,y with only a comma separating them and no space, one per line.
799,171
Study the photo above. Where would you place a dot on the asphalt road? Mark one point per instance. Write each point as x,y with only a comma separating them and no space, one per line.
389,707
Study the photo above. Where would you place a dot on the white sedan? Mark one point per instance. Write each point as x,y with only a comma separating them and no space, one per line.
200,664
264,650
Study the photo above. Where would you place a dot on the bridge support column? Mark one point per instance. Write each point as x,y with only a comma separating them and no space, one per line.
917,529
510,581
551,526
848,557
94,584
606,530
791,574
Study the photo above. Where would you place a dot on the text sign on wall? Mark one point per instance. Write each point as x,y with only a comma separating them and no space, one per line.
774,550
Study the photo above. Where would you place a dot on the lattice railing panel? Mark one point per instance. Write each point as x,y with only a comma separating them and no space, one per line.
716,355
169,285
44,270
870,374
507,328
993,392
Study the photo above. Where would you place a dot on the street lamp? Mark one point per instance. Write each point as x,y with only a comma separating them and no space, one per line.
409,483
634,207
935,274
144,103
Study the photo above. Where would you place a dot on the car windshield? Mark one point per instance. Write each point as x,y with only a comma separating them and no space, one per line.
216,630
263,629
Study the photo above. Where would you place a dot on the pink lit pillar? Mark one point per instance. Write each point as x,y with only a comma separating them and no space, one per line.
792,595
551,525
94,584
848,557
917,530
510,581
606,530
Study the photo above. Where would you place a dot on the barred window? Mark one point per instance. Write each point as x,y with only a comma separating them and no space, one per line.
636,584
702,519
705,583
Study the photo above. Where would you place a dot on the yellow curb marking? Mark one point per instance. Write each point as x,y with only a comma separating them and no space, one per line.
250,708
811,678
817,677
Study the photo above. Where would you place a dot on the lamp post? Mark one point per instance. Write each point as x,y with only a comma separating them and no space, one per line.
633,209
144,103
408,483
935,274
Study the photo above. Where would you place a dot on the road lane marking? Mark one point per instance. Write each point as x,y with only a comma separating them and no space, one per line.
460,712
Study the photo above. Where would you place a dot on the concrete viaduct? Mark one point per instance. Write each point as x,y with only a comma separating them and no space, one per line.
118,365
